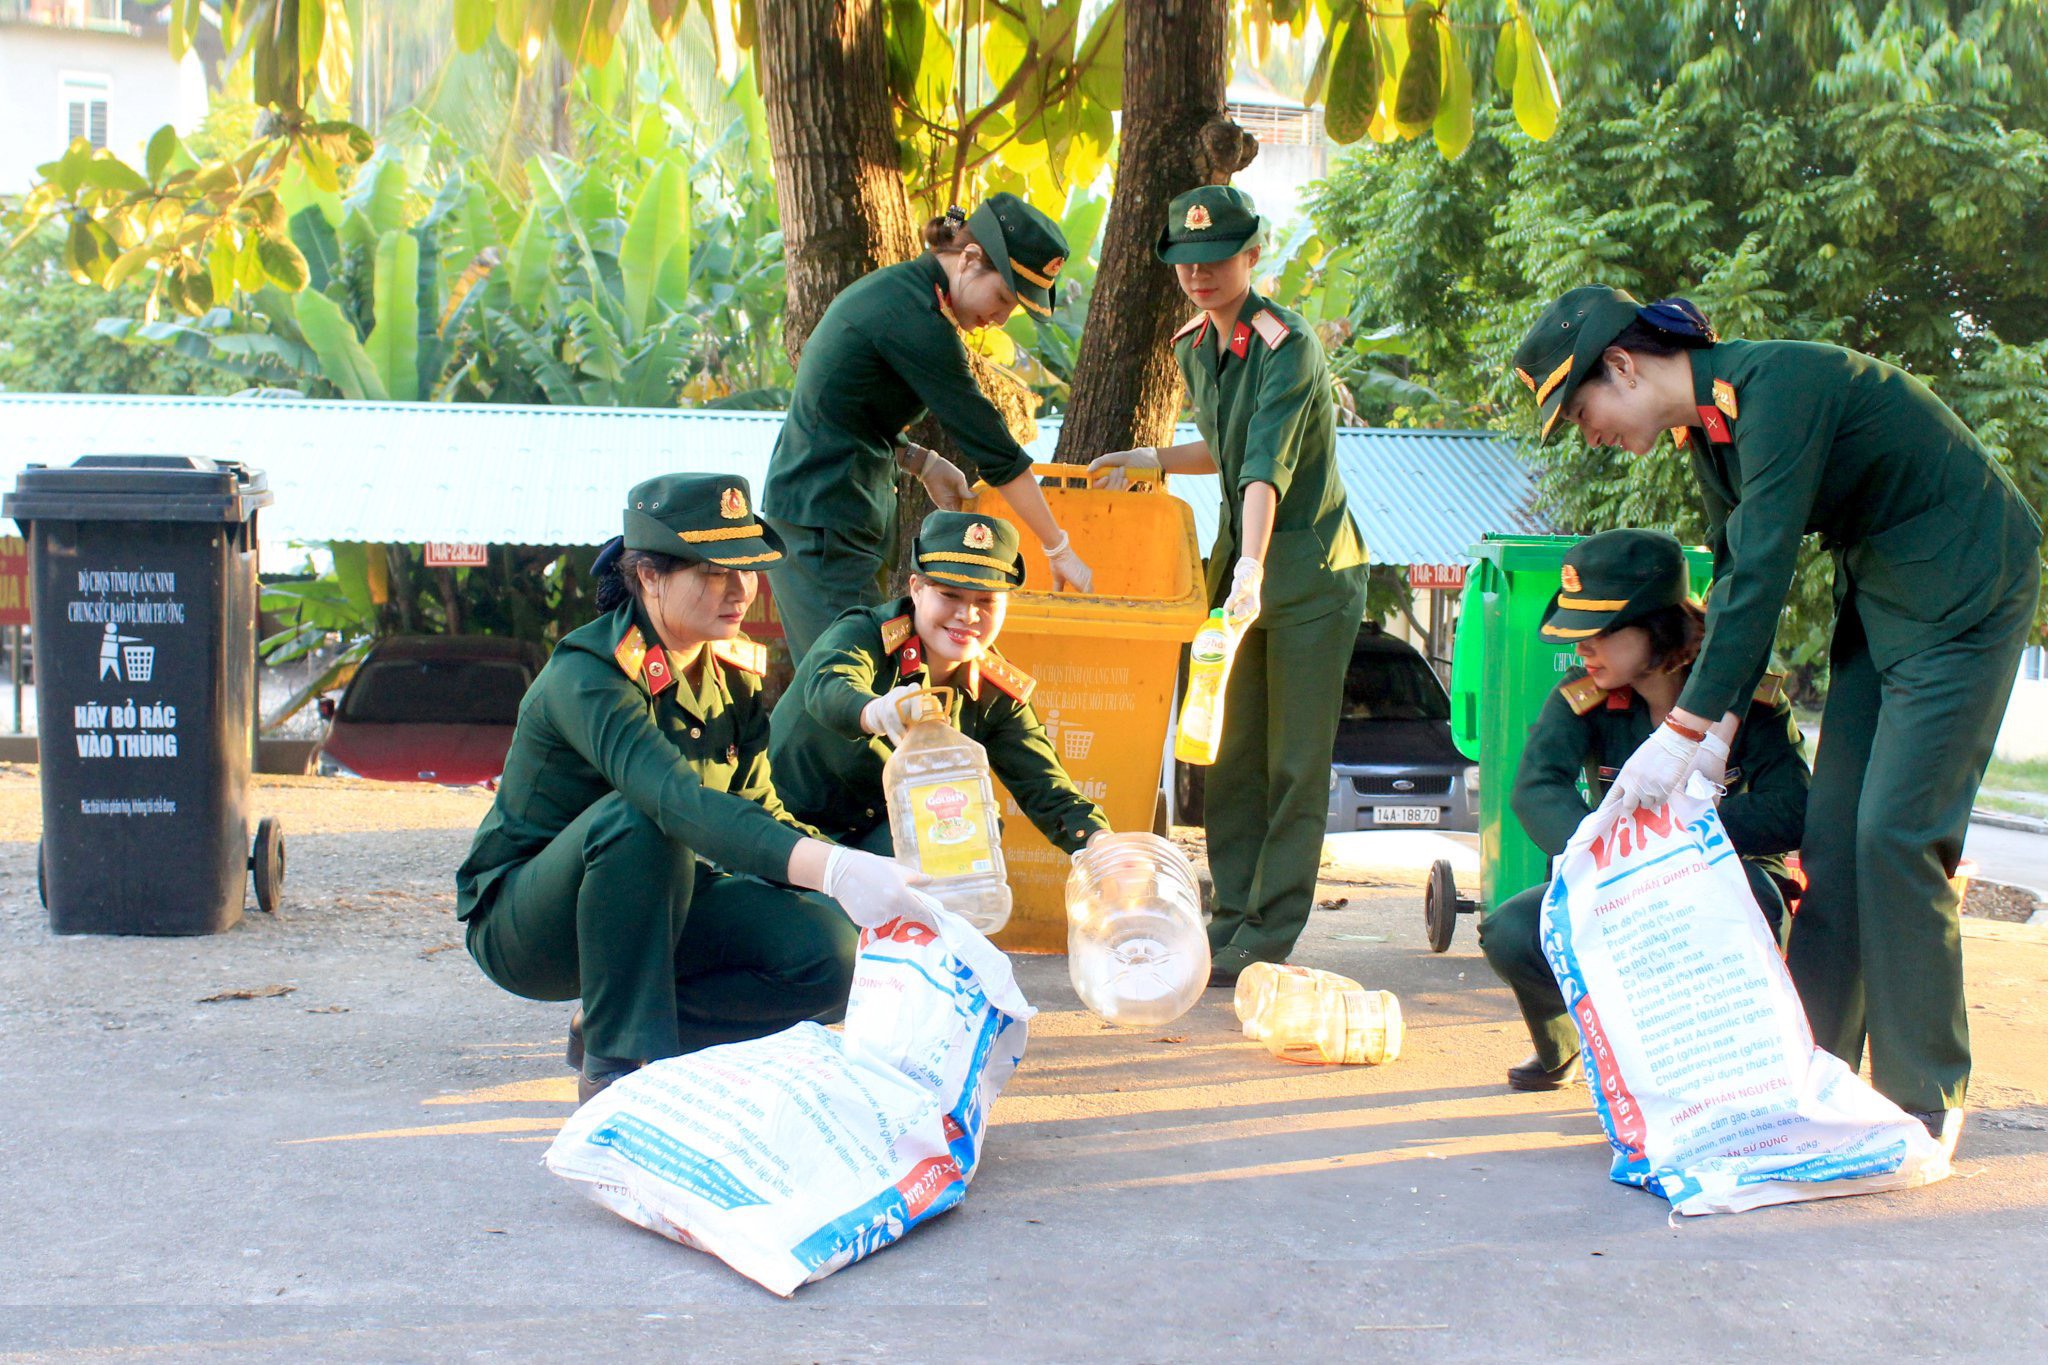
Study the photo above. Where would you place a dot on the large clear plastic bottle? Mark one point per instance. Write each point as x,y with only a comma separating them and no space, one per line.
1263,985
942,813
1201,709
1335,1027
1137,952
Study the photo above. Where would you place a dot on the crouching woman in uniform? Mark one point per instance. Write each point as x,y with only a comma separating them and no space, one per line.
841,718
1626,603
636,858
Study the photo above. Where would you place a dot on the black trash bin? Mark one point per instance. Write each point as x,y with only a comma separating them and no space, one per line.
143,596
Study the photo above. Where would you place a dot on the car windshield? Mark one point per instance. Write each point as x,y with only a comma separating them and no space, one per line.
436,692
1393,687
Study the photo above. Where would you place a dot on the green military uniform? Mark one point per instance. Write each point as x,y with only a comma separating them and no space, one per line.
886,350
1263,403
829,769
1937,571
630,856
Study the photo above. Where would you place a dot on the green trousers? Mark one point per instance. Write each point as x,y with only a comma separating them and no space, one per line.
667,955
1511,936
822,573
1877,948
1267,797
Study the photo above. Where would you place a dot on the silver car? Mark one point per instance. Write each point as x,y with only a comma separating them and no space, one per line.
1394,766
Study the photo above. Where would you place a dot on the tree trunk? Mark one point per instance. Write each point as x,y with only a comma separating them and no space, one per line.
1175,136
824,72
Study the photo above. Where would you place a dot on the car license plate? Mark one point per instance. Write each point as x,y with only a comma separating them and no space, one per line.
1406,815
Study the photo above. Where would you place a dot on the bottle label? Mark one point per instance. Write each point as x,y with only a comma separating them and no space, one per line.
955,829
1210,647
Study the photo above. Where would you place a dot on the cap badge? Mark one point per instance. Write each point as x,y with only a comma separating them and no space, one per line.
979,537
732,504
1198,218
1570,577
1052,267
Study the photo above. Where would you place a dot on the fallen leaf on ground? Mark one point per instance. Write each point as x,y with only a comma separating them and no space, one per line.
254,993
437,948
1172,1038
327,1009
1334,902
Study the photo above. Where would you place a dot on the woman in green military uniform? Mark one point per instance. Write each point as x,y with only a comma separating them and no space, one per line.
636,857
839,721
1937,572
1288,567
887,349
1625,601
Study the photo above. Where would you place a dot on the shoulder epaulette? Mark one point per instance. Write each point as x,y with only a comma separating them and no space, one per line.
895,631
630,653
746,655
1008,678
1192,325
1724,398
1272,329
1771,690
1582,695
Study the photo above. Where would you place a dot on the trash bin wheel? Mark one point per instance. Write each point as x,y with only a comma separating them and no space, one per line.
42,881
1440,906
266,863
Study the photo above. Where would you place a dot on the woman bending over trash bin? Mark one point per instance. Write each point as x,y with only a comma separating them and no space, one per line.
887,349
839,722
1937,571
1288,568
636,858
1626,601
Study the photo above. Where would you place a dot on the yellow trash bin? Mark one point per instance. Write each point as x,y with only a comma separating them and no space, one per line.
1106,664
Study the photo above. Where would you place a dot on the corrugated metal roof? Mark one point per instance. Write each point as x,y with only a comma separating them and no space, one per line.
553,476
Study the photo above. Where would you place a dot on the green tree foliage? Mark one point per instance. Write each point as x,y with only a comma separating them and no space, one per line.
1873,174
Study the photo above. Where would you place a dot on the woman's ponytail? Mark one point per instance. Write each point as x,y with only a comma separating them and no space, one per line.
611,583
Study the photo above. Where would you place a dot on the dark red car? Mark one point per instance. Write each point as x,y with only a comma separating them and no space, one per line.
430,708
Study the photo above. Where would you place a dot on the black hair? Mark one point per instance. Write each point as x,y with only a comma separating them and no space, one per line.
1675,634
1666,327
616,581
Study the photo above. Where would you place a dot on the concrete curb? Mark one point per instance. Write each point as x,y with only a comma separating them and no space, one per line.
1998,819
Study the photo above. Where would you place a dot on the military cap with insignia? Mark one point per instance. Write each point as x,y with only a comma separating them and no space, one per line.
1613,579
968,550
707,518
1026,248
1208,223
1562,350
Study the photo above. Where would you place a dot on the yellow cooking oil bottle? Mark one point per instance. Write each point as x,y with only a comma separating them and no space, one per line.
942,813
1201,710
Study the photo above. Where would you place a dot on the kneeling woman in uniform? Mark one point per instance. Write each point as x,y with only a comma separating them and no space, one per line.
1626,603
636,857
839,721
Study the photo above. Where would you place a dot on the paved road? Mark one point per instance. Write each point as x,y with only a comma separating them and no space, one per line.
2009,855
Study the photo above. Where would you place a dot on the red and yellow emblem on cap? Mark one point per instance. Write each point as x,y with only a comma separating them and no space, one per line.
1198,219
979,537
732,504
1570,578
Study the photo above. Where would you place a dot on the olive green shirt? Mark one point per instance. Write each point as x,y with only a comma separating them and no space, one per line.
1584,732
829,769
1795,437
1265,408
606,716
883,353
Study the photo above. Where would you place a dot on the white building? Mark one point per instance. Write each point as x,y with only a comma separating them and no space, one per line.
1293,149
96,69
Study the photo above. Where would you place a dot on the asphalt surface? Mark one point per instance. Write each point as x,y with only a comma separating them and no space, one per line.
349,1171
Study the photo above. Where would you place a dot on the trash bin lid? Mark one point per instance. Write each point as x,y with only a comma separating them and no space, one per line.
138,488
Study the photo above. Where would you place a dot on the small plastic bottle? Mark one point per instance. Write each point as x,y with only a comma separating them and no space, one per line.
1136,949
942,813
1201,709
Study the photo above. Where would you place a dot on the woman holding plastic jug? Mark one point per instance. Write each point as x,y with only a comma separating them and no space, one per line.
1288,568
636,857
887,349
1937,573
1625,600
847,708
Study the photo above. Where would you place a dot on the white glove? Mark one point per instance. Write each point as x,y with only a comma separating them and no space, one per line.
1111,471
883,717
873,890
1068,570
942,480
1710,760
1241,608
1655,770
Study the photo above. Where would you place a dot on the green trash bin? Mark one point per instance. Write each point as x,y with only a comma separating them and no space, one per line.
1501,673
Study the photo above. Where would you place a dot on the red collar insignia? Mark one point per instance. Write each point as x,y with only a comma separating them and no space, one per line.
1621,698
1715,425
660,677
1240,340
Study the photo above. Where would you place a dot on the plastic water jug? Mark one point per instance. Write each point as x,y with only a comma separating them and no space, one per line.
1201,709
1262,985
942,813
1136,948
1335,1027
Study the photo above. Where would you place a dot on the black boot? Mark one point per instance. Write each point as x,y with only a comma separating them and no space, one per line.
1531,1075
575,1051
599,1072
